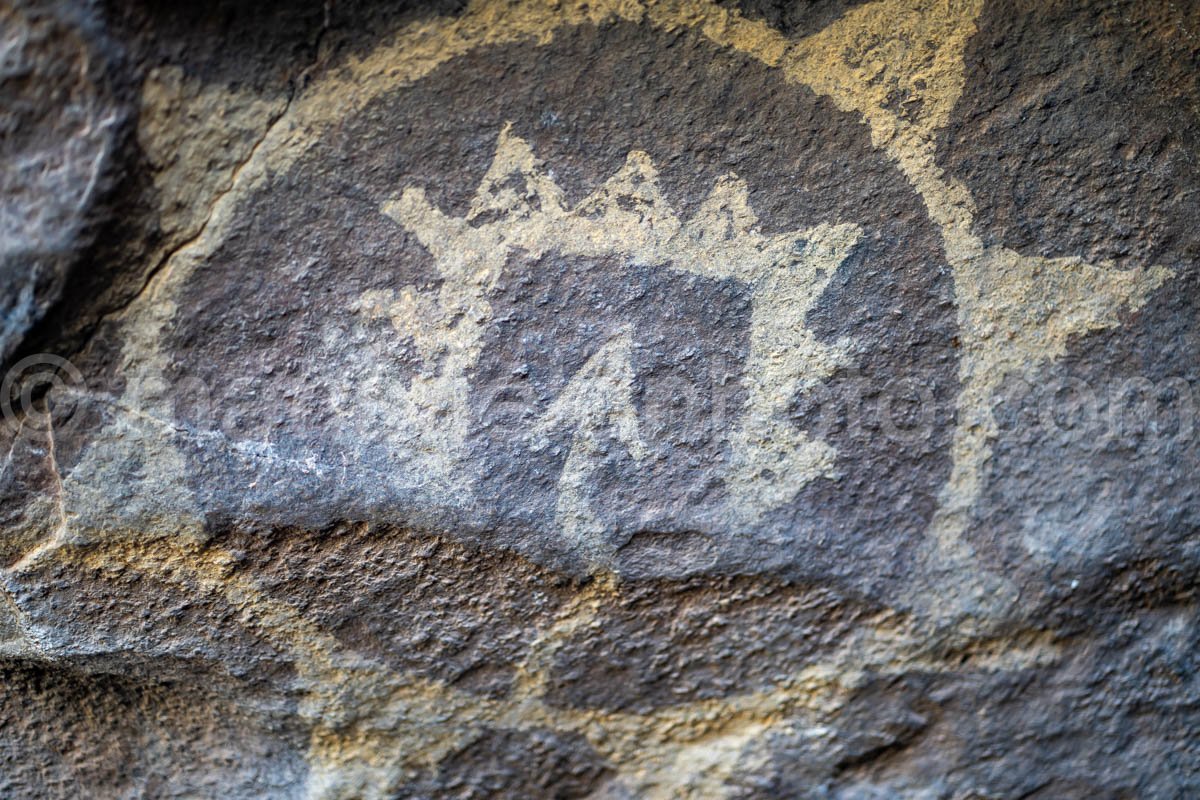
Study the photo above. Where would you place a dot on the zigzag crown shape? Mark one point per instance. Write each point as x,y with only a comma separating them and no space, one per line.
518,206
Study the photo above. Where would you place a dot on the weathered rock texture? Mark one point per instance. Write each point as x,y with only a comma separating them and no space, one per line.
607,399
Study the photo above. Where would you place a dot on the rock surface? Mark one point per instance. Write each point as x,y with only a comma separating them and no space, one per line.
608,399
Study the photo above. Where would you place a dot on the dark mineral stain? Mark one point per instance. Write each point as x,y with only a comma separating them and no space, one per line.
277,298
109,734
1078,131
1073,727
1079,135
415,602
793,18
514,765
665,642
1087,492
181,626
689,333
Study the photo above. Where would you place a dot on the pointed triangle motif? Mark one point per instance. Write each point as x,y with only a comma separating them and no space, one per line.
596,404
599,397
725,212
515,184
632,194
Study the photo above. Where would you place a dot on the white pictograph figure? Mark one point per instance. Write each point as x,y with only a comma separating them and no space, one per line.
518,206
597,407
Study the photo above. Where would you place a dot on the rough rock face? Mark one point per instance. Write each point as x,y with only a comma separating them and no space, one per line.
58,122
600,400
